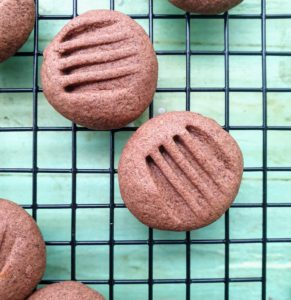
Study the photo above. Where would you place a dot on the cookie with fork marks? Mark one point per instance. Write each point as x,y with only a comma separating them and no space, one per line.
180,171
22,252
101,70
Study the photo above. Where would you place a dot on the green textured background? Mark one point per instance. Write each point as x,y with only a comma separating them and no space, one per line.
54,151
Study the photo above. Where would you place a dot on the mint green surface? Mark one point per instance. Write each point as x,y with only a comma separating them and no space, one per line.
54,151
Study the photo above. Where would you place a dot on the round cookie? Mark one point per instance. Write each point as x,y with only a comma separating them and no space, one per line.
69,290
206,7
180,171
16,23
22,252
101,70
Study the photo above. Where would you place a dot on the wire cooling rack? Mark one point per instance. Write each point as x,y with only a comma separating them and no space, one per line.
189,281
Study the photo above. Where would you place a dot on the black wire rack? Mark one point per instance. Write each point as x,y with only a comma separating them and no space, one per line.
188,281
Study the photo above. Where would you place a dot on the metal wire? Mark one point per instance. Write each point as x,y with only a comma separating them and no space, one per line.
151,242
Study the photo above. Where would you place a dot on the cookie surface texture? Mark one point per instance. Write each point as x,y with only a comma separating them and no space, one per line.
22,252
101,70
180,171
70,290
16,23
206,6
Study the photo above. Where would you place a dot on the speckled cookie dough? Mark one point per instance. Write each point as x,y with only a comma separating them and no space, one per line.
101,70
22,252
206,6
180,171
69,290
16,23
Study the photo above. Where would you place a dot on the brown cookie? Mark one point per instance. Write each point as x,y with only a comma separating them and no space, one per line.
16,23
206,7
180,171
101,70
69,290
22,252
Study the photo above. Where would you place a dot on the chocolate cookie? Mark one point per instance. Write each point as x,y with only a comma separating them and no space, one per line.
101,70
180,171
22,252
16,23
69,290
206,6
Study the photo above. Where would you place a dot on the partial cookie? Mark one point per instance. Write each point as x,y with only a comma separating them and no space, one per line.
101,70
22,252
16,23
206,6
180,171
69,290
